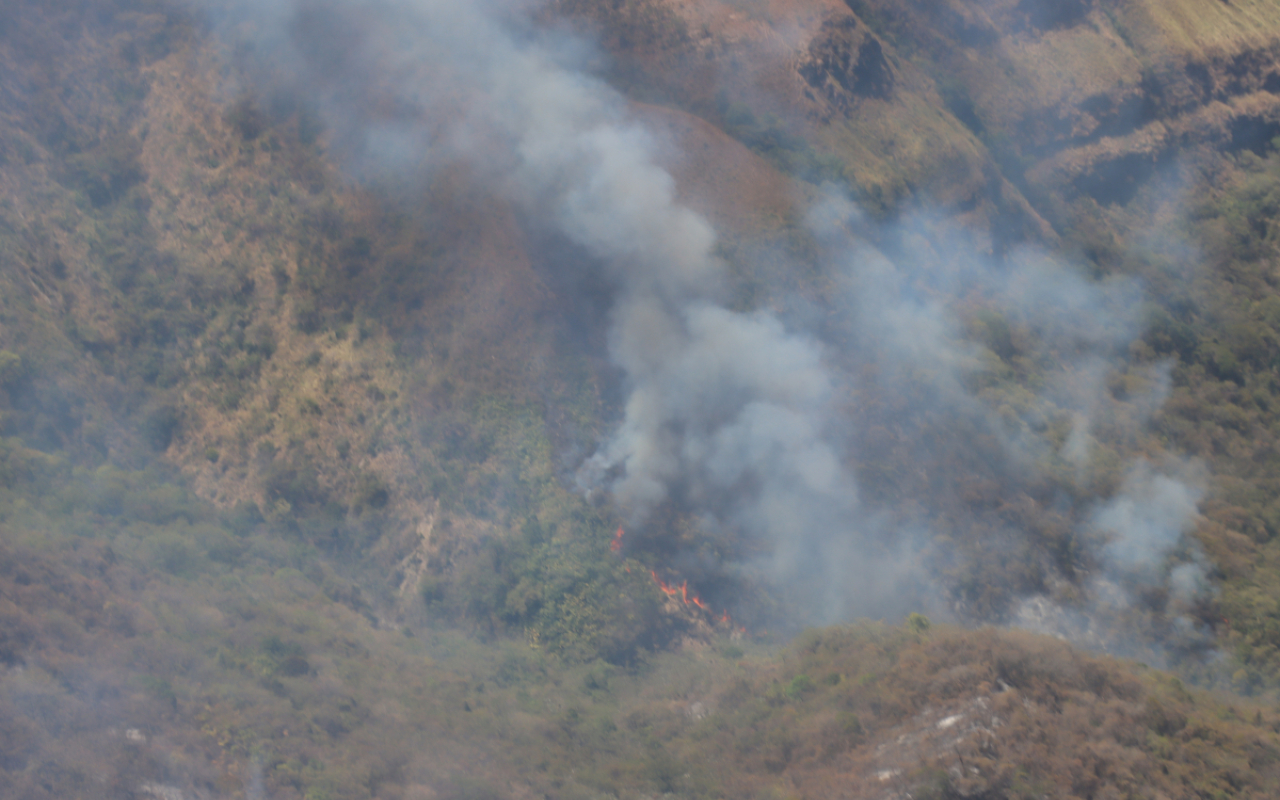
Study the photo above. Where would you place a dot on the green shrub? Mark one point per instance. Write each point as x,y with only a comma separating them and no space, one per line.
918,623
10,367
371,491
799,686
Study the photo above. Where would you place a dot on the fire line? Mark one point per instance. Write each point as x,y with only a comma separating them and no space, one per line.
683,591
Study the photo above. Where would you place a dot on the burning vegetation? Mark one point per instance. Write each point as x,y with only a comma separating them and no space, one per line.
708,616
423,295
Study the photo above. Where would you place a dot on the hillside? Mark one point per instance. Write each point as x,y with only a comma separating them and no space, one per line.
442,400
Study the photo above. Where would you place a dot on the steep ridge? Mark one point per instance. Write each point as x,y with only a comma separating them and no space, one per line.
955,101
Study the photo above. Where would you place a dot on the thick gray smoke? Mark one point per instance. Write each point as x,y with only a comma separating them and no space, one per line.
744,418
731,407
904,309
737,412
1146,524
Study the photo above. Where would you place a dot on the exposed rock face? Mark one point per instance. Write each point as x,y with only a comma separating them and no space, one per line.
844,62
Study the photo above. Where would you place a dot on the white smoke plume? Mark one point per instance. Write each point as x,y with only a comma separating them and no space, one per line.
253,784
731,407
744,416
902,308
1147,518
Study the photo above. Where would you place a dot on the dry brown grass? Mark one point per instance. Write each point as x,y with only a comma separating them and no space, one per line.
739,192
1175,29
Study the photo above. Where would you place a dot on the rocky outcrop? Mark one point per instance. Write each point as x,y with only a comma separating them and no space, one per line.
845,62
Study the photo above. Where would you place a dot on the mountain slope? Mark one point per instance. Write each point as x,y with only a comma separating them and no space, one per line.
293,500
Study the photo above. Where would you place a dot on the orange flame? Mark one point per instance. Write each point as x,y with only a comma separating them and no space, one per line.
670,590
683,591
616,544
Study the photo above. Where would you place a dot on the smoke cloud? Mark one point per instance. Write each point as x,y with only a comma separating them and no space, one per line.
1024,354
1146,519
866,456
